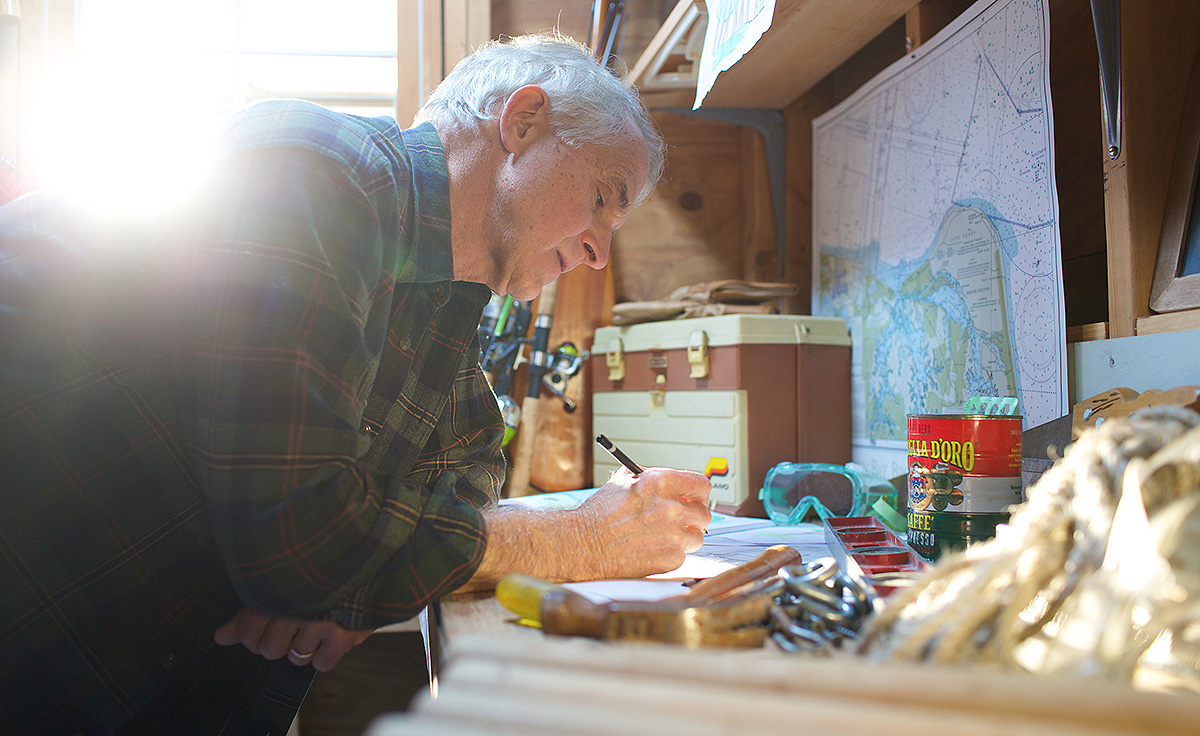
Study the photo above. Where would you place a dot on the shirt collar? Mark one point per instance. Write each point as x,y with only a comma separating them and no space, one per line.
432,258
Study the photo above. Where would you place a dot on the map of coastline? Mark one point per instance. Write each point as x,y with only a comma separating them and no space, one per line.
935,230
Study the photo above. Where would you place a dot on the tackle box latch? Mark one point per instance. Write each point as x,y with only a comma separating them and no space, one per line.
697,354
614,358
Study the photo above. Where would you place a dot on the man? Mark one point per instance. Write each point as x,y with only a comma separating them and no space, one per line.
259,417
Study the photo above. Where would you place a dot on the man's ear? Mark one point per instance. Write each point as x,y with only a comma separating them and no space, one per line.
524,118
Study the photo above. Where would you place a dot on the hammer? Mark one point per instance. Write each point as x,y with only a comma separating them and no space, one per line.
726,610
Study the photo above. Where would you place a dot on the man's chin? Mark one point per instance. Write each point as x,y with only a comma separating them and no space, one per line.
529,292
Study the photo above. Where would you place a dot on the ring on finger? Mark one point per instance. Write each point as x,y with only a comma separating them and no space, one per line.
299,655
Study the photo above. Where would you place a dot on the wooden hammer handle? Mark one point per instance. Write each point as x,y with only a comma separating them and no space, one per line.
768,563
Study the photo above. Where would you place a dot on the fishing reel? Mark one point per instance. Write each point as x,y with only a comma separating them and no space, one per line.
565,362
503,337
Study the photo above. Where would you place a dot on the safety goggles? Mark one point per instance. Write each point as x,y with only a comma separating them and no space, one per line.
791,490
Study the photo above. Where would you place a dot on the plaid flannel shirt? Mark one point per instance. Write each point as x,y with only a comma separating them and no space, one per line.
273,400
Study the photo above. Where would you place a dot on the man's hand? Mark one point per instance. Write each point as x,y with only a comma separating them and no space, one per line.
645,524
319,643
631,526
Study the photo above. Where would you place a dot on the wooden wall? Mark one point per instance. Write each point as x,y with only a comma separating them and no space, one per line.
517,17
711,215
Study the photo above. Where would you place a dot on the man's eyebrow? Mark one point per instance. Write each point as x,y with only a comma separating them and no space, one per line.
622,194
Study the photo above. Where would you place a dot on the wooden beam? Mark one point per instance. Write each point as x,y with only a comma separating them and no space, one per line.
928,17
409,97
1159,41
797,120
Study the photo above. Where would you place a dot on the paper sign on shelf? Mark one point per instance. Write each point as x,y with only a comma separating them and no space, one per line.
734,26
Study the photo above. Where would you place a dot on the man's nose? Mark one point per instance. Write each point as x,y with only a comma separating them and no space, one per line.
602,246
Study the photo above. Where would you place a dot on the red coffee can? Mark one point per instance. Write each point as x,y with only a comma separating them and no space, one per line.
964,473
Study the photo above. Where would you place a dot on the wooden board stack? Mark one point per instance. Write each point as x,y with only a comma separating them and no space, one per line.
495,685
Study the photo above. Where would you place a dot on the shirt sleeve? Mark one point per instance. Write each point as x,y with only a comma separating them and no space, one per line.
463,460
288,337
468,438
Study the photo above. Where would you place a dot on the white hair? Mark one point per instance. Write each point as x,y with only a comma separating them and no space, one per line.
588,102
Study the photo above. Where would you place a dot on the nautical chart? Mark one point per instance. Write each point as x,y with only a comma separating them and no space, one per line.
936,229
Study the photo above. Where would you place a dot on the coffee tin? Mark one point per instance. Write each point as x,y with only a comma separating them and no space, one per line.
964,473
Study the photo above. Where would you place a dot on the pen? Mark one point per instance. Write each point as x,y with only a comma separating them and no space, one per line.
607,444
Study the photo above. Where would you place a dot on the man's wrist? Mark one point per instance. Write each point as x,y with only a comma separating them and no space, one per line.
556,545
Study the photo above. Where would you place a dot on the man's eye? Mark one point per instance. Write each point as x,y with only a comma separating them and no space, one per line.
591,253
599,199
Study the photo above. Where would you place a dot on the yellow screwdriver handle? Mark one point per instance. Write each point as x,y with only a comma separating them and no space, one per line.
522,594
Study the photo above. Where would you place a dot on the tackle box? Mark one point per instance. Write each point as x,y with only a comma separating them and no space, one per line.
729,396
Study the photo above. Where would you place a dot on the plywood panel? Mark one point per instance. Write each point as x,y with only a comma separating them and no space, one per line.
760,260
691,228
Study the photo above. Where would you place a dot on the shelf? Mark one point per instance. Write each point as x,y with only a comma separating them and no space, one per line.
807,40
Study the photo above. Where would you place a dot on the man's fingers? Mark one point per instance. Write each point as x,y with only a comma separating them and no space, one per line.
684,484
701,516
323,645
246,627
277,638
319,643
304,648
227,634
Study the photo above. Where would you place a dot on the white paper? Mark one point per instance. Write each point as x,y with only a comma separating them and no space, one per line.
725,523
602,591
554,500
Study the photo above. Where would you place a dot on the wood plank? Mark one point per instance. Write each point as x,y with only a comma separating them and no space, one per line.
1169,322
1084,333
430,55
516,17
562,457
409,97
479,25
455,44
1079,160
648,62
797,120
760,257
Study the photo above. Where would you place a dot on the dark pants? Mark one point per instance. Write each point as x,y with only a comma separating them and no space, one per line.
255,698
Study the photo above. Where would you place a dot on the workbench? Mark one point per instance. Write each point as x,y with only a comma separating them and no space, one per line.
498,677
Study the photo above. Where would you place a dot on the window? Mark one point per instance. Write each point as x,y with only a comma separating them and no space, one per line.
233,52
141,82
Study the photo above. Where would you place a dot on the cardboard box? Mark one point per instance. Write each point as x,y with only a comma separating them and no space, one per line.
730,396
